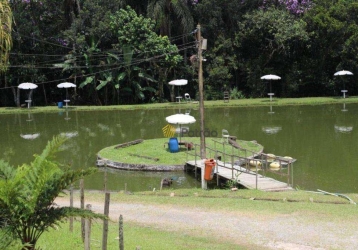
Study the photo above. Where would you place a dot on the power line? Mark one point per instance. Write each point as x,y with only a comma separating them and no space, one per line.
136,62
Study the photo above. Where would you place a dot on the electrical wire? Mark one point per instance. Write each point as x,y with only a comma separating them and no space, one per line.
135,62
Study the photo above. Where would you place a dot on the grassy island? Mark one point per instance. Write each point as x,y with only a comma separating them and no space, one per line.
156,151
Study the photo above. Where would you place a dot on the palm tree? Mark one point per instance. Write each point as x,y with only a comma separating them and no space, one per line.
5,34
27,195
163,12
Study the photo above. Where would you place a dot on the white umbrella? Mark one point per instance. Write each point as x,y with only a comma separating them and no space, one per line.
180,119
343,73
66,85
270,78
27,85
178,82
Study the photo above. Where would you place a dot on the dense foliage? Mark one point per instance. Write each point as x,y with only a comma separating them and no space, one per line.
123,52
27,195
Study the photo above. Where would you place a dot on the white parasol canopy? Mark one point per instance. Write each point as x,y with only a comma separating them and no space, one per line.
27,85
178,82
270,77
180,119
66,85
343,73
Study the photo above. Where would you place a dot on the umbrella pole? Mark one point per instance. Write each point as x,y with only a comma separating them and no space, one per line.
66,101
179,132
29,100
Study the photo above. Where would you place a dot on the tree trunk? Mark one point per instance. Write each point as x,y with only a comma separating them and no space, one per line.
172,95
43,87
16,96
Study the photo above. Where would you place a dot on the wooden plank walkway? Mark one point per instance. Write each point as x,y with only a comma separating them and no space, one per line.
246,178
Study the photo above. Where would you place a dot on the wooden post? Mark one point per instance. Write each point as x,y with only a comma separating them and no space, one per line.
105,178
121,241
71,206
105,222
88,230
82,199
204,183
232,166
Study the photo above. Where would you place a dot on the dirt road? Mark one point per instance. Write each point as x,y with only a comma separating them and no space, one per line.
291,232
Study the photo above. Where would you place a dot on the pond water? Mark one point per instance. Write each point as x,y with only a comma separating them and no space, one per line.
322,138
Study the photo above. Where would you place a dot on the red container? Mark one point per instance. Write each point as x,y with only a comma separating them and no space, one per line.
209,169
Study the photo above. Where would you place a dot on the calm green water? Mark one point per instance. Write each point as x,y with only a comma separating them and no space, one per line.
322,138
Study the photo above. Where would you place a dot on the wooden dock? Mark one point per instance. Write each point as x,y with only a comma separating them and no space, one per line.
248,179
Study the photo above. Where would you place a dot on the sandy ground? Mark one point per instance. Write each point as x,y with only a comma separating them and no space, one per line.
291,232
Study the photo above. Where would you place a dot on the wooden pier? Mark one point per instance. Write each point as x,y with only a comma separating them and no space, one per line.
243,176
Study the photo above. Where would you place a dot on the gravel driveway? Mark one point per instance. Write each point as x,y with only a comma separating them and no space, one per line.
291,232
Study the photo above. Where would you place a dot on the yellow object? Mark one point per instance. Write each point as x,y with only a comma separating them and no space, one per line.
275,164
254,163
271,157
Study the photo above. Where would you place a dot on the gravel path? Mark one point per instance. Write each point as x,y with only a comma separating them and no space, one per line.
291,232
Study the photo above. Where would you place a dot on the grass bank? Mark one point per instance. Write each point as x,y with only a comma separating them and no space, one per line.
306,206
208,104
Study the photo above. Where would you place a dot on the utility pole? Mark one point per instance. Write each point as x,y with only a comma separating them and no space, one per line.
201,95
204,184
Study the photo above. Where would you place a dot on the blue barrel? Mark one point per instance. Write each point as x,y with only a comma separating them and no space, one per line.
60,105
173,145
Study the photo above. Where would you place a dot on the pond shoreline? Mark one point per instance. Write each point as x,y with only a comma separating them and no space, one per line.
126,156
103,162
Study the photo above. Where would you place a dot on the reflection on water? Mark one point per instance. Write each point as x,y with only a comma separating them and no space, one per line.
326,158
29,130
343,129
343,124
271,128
271,110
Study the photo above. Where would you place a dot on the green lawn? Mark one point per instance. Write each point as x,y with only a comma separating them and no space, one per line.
158,148
207,104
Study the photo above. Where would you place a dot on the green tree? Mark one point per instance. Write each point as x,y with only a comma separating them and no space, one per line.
140,48
27,195
168,13
333,29
267,42
5,34
224,65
